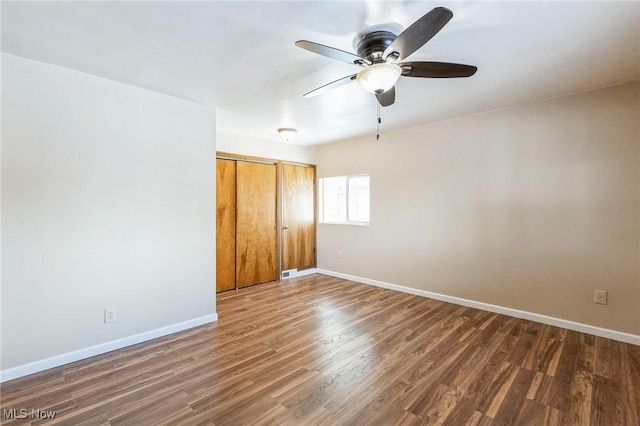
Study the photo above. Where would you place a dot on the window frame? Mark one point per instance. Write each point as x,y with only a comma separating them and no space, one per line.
321,191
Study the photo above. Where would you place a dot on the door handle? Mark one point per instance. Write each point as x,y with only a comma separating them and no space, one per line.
285,227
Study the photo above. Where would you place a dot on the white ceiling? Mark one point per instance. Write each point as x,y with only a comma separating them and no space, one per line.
240,56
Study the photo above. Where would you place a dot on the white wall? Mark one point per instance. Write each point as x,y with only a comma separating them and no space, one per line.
531,208
107,201
256,147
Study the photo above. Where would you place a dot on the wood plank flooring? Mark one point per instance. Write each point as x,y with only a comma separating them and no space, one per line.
319,350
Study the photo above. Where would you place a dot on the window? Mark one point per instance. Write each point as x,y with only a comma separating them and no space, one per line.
344,199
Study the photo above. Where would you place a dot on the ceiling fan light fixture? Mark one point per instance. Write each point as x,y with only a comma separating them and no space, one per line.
379,78
287,133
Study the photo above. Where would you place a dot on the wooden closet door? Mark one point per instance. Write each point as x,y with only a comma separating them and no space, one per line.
225,225
256,238
298,219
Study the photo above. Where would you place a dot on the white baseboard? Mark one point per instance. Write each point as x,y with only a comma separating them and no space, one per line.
558,322
58,360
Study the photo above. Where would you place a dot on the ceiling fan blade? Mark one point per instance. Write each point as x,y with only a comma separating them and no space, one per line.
437,69
387,98
418,33
330,52
330,86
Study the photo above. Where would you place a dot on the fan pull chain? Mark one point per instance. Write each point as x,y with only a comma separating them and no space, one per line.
378,123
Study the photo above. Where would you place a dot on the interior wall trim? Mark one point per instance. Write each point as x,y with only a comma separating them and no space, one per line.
99,349
558,322
221,155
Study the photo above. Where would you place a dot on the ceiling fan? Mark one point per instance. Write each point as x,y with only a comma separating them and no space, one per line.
379,52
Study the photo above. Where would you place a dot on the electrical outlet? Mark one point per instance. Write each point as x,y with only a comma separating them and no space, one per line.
339,254
109,315
600,297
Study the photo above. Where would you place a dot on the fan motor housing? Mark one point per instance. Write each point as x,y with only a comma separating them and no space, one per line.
372,45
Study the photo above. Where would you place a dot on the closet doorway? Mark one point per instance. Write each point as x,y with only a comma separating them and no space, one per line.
265,220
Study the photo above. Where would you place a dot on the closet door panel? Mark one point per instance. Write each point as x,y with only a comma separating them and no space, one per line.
298,218
256,219
225,225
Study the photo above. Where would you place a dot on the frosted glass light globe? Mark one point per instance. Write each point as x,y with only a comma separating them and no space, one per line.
379,78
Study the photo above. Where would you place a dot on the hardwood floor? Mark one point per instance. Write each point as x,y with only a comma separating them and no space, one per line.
319,350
